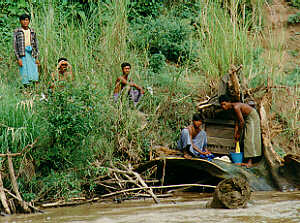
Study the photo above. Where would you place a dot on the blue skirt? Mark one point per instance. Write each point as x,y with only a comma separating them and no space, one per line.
29,70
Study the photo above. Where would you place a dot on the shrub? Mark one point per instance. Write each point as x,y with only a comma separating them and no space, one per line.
295,3
294,19
144,8
157,62
67,118
170,37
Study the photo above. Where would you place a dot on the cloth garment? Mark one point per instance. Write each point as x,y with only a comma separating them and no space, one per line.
252,135
27,37
134,94
200,141
19,43
29,70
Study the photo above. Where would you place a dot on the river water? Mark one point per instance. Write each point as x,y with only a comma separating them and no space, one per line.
264,207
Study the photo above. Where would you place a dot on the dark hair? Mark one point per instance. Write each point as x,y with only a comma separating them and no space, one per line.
24,16
198,117
223,98
62,58
125,64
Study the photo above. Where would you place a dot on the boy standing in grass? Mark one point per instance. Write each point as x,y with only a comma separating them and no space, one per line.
193,140
135,92
26,51
249,121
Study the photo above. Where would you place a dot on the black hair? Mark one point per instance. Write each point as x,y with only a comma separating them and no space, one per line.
62,58
125,64
198,117
223,98
24,16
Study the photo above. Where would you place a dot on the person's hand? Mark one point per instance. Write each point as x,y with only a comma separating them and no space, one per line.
37,62
20,63
237,137
142,91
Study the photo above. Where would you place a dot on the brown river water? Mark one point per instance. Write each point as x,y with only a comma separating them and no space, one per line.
264,207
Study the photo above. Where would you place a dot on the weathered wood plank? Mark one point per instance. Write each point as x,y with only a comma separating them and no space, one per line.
219,121
220,141
219,131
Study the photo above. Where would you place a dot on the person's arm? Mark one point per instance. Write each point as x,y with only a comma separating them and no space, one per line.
71,72
241,122
16,49
131,84
236,129
35,46
205,146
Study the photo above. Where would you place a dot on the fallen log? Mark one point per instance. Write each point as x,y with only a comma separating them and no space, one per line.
231,193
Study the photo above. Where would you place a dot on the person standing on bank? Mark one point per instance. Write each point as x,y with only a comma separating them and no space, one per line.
249,122
26,51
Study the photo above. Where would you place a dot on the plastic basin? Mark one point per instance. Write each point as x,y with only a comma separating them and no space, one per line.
236,157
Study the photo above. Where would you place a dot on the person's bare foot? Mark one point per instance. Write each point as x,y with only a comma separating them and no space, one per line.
249,164
187,156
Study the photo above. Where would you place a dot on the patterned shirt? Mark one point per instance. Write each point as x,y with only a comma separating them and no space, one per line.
19,43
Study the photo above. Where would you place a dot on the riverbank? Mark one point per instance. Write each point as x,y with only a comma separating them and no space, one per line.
68,141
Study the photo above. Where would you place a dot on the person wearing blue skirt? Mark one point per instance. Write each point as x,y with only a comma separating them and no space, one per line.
26,51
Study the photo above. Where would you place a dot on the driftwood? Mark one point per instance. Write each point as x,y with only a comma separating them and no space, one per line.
3,197
142,182
15,185
133,178
273,159
235,82
231,193
69,203
157,187
8,204
31,206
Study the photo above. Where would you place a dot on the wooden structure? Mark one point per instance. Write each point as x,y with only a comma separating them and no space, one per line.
220,136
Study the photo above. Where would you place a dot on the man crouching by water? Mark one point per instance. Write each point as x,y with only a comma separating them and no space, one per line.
135,93
249,121
193,140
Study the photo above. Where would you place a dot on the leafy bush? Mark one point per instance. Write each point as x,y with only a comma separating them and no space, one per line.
68,120
294,19
295,3
170,37
144,8
157,62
